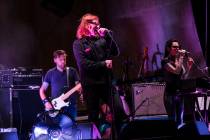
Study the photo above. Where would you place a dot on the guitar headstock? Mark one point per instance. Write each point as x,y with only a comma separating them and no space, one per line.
145,54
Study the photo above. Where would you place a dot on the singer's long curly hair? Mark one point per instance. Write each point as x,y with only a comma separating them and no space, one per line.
82,30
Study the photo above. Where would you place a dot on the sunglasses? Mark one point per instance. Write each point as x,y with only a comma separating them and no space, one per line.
175,46
93,22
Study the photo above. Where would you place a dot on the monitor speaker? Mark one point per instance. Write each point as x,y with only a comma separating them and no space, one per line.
8,134
148,99
88,131
195,128
148,128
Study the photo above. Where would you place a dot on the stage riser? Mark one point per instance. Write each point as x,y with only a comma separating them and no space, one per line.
148,129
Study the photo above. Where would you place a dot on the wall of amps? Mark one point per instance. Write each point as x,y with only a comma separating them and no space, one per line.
19,97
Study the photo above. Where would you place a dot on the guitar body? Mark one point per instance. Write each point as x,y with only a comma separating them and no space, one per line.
58,103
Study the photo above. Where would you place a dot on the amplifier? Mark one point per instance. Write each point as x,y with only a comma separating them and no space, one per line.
148,99
2,130
8,134
20,77
5,78
26,77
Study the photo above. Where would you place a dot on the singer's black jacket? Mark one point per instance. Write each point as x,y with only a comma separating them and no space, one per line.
90,54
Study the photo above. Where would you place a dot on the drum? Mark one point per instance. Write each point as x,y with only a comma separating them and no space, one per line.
54,126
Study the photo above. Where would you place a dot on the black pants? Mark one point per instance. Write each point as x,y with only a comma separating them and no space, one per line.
179,108
96,95
173,106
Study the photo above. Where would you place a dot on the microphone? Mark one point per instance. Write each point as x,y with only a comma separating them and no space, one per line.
105,29
108,30
183,51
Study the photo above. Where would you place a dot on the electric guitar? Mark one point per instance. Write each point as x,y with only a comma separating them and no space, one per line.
59,102
144,65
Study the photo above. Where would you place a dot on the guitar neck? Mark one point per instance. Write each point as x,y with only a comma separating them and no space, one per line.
70,92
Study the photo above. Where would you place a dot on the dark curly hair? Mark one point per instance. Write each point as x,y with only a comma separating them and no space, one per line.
168,46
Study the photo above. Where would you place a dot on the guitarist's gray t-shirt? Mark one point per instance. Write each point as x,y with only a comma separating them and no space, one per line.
57,80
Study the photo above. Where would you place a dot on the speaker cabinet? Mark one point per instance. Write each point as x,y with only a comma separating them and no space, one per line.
26,105
148,99
5,108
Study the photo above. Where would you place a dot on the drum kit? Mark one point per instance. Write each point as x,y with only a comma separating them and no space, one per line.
53,125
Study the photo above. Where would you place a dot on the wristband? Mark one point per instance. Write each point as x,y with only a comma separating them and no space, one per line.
45,101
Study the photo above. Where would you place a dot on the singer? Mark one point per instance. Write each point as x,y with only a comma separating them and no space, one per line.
93,51
174,69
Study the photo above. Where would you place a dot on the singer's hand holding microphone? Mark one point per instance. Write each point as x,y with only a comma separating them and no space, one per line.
108,64
102,31
183,52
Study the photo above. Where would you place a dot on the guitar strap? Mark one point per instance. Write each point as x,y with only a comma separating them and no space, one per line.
67,76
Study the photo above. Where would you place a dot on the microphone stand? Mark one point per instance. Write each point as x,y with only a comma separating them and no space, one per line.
140,73
113,126
202,75
109,33
132,114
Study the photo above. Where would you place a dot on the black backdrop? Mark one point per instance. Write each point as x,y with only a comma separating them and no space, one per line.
30,32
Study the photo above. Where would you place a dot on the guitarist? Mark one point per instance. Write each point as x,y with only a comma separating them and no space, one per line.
56,79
